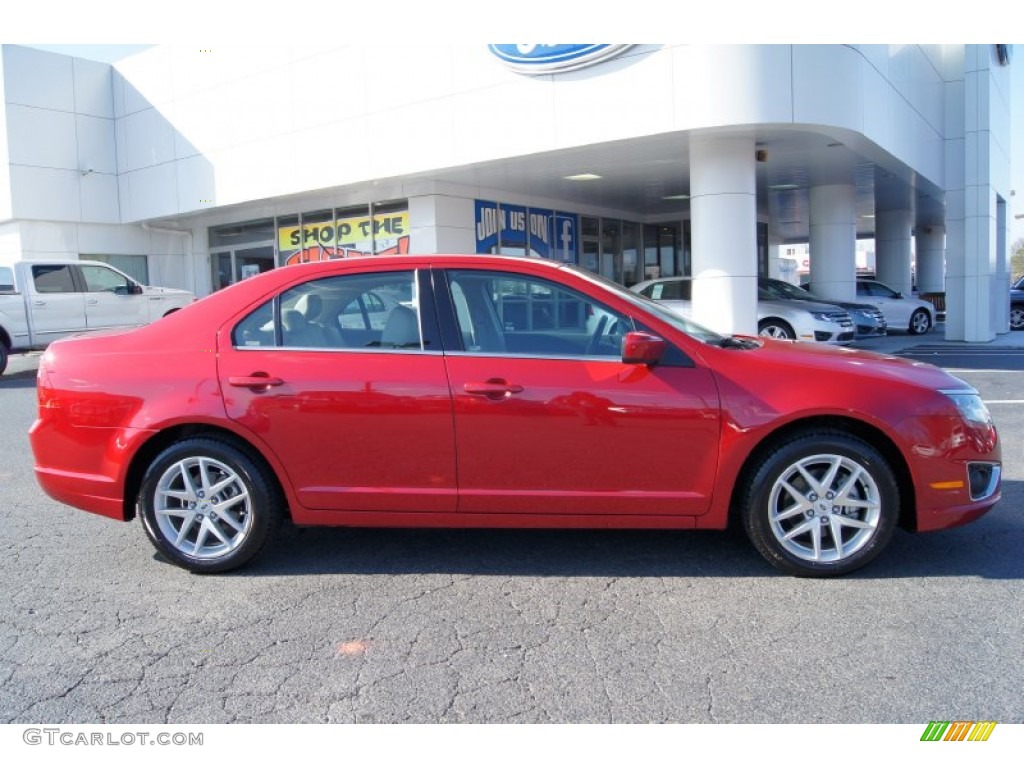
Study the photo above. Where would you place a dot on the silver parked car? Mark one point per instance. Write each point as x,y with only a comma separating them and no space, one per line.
868,319
777,318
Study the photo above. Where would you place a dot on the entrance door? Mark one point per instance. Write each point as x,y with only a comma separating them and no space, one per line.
230,266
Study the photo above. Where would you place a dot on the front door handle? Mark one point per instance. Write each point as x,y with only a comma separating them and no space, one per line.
257,381
492,388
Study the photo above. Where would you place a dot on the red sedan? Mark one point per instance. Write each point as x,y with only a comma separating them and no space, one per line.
487,391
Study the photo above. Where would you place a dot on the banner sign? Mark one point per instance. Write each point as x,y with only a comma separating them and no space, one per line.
516,229
383,234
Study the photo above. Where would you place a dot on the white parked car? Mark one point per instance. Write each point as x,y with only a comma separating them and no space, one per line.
777,318
914,315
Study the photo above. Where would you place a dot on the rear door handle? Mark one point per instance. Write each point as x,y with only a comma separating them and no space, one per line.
256,381
493,388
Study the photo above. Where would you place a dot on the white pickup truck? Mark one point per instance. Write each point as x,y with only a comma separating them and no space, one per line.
41,301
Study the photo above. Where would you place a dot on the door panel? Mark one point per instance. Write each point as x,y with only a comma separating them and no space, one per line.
549,420
109,302
583,436
57,307
359,424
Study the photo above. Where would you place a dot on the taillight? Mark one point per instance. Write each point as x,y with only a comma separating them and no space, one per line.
46,395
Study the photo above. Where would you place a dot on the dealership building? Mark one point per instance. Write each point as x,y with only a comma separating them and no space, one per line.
196,168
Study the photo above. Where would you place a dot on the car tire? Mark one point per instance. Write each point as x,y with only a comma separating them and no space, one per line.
775,329
1017,317
822,503
208,506
920,322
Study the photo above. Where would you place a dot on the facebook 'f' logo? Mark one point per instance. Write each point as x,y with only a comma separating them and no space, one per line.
566,227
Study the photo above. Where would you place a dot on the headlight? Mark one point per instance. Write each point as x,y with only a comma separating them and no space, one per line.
969,403
826,317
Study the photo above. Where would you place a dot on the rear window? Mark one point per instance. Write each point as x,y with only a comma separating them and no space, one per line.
53,278
6,280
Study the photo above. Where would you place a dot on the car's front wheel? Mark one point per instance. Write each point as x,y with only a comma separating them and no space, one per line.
823,503
1017,317
207,505
775,329
920,322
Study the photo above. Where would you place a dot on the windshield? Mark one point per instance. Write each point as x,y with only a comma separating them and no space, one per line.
783,290
649,305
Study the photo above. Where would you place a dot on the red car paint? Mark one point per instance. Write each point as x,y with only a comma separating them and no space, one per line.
447,437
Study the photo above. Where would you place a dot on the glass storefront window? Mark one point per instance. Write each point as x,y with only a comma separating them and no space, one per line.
391,228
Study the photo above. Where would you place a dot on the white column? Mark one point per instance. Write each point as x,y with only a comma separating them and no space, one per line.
441,224
833,241
930,245
723,205
978,142
892,249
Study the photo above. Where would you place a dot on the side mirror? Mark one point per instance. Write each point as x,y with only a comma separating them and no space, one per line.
639,348
135,289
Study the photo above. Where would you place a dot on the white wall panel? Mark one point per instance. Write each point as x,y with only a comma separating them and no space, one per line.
729,84
10,241
37,78
604,103
153,192
94,93
45,193
828,86
484,130
49,237
149,139
326,155
403,75
196,184
41,137
413,138
96,144
99,201
126,239
327,88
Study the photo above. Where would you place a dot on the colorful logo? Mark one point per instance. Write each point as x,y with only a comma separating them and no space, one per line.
536,59
958,730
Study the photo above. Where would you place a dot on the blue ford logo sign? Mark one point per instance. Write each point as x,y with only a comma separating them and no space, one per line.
535,59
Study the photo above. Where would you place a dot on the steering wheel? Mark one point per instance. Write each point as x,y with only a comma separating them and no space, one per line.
594,343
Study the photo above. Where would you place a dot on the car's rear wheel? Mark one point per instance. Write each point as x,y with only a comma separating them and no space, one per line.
776,329
1017,317
207,505
920,322
823,503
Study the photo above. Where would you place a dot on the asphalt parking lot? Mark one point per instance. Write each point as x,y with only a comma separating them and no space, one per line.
511,626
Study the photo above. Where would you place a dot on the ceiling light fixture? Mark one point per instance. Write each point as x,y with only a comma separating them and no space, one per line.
582,177
676,197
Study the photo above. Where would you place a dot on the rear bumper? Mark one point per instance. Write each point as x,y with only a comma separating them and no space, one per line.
93,493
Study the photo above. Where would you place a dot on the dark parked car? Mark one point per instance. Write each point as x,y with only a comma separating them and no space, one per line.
1017,305
498,392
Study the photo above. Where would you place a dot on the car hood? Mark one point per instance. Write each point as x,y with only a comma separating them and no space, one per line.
844,304
809,356
158,290
782,305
